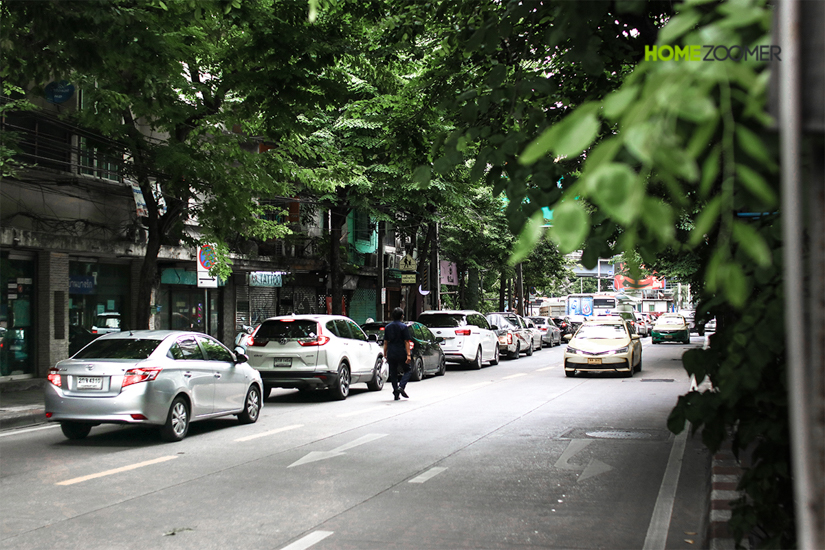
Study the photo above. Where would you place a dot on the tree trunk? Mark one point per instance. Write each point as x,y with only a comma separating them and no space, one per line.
338,217
502,291
473,290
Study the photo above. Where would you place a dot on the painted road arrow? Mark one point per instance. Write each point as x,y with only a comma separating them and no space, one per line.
315,456
593,468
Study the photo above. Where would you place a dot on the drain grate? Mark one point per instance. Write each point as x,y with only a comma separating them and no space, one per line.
657,380
616,434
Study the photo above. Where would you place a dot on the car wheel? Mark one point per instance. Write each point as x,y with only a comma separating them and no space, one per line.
516,353
496,356
631,369
252,406
177,421
377,382
340,390
442,366
639,366
570,373
266,392
529,351
417,370
75,430
477,362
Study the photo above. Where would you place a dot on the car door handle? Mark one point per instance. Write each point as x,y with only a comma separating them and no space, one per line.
217,375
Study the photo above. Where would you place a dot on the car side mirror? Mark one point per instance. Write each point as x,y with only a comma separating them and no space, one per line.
372,337
493,327
439,340
240,356
568,337
635,337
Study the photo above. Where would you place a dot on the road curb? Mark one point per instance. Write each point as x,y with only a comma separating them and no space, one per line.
726,472
20,417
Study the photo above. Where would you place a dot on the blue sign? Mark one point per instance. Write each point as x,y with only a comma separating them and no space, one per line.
59,92
81,284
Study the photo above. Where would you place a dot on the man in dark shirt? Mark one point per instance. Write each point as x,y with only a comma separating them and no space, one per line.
397,350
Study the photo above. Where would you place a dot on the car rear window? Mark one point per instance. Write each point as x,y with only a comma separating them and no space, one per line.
277,329
119,348
442,320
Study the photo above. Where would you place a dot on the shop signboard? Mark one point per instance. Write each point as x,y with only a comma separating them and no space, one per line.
265,279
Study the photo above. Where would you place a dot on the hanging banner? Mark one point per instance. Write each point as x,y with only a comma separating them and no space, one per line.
206,260
448,273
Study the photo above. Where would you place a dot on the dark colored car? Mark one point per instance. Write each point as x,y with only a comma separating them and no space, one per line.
427,355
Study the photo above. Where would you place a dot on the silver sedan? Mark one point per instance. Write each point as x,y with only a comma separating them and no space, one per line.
164,378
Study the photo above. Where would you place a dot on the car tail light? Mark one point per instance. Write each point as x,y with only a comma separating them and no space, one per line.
137,375
258,341
319,341
94,331
54,377
543,329
138,417
463,332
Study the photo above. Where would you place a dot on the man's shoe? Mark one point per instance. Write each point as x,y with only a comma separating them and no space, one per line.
395,394
402,392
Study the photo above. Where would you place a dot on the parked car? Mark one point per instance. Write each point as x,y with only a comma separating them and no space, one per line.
573,323
550,333
604,344
106,323
641,325
316,352
564,327
468,337
427,356
513,336
671,327
535,333
162,378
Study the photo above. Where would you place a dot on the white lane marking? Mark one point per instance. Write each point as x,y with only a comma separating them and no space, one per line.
117,470
271,432
479,385
514,375
544,369
660,520
16,432
362,411
307,541
429,474
315,456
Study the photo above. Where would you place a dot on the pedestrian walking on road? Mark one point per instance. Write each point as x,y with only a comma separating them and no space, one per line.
397,350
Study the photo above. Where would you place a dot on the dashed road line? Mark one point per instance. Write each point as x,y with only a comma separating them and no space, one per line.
117,470
362,411
271,432
429,474
305,542
514,375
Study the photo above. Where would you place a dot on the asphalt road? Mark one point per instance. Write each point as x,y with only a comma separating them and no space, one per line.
511,456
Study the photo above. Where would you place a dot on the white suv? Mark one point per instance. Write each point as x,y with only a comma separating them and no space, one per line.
468,337
311,352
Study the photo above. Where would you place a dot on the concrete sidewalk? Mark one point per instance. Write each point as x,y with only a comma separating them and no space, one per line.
21,403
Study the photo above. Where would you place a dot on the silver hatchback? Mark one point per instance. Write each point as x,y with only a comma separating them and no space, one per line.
165,378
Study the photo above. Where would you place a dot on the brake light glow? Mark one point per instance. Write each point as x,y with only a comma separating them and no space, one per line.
137,375
258,341
54,377
463,332
319,341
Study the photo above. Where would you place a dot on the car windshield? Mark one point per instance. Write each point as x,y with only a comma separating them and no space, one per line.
287,328
119,348
537,320
374,328
595,332
442,320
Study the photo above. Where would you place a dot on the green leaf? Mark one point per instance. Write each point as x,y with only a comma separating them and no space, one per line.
705,221
756,184
571,224
752,242
567,138
616,103
753,145
710,170
735,284
677,26
616,189
422,176
529,236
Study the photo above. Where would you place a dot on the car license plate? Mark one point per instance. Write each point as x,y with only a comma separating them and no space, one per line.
282,361
89,383
594,361
668,336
